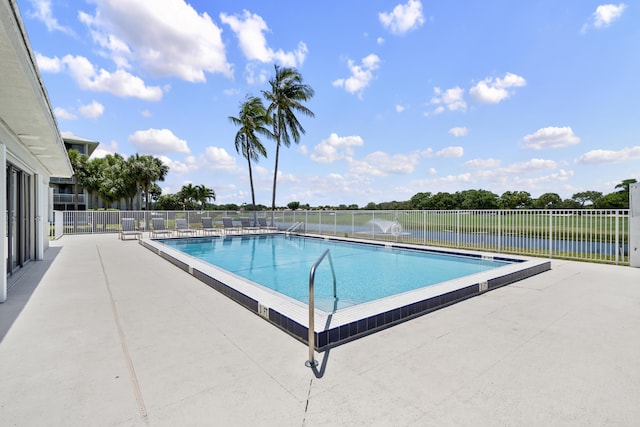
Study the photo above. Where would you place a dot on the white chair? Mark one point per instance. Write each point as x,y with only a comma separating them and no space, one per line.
183,228
128,228
159,229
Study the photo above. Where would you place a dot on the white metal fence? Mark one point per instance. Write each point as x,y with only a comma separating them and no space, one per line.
586,235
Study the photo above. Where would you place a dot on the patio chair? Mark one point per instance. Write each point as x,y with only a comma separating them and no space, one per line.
159,229
262,222
128,228
246,225
183,228
207,226
227,223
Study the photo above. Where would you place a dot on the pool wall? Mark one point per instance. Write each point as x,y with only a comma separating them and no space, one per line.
344,325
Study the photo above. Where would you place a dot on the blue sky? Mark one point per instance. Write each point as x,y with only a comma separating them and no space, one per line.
410,96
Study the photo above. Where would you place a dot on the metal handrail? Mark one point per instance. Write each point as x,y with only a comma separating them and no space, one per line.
294,226
312,276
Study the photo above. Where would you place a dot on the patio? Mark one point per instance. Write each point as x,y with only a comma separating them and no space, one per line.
104,332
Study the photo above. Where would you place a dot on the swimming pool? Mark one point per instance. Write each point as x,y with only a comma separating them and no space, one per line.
404,284
364,272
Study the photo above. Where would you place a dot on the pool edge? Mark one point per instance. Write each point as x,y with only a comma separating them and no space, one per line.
344,332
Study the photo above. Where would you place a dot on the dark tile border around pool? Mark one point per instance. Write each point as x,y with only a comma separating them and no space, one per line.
340,334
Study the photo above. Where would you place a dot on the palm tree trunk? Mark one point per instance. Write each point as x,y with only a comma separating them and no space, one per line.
275,178
253,194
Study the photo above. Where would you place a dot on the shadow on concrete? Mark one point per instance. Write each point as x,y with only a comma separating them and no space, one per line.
20,288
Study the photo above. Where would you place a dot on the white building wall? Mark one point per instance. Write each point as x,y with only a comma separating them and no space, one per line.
3,224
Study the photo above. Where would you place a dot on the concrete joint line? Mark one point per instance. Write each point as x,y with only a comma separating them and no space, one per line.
306,406
142,410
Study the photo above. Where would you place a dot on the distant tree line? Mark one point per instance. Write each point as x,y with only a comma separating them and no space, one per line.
483,199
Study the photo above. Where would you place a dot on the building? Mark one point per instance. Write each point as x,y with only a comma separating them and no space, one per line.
64,189
31,149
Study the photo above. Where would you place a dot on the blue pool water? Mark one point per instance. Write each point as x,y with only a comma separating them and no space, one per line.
364,272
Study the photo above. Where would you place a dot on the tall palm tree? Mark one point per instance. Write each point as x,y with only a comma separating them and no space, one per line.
286,98
115,184
154,171
252,120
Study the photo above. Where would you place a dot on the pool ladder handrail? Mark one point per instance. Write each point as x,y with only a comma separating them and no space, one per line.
294,226
312,276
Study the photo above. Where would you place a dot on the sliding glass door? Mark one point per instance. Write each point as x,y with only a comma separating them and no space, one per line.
20,244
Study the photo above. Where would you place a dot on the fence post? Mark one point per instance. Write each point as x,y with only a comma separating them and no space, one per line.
499,231
617,236
550,233
457,229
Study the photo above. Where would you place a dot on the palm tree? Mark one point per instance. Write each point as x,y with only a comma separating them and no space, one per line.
79,164
135,168
116,183
187,195
286,98
251,119
203,194
154,171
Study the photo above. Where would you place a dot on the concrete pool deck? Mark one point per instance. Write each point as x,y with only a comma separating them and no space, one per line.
104,332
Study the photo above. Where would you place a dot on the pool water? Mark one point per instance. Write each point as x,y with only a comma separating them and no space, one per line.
364,272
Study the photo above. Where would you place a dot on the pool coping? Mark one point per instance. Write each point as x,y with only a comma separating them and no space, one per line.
346,324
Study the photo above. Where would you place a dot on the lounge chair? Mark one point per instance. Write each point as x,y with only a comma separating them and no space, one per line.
183,228
128,228
227,223
246,224
262,222
207,226
159,229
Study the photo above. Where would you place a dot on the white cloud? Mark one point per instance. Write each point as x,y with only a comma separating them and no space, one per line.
216,158
400,108
403,18
250,29
482,163
492,91
604,16
380,40
522,168
158,141
445,181
104,149
119,83
42,12
361,75
335,148
62,114
459,131
551,137
49,65
253,75
176,41
595,157
451,99
92,110
383,164
449,152
175,167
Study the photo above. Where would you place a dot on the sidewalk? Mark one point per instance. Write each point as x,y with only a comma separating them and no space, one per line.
106,333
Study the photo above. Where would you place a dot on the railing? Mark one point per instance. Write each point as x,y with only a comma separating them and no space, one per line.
68,198
576,234
312,277
295,226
